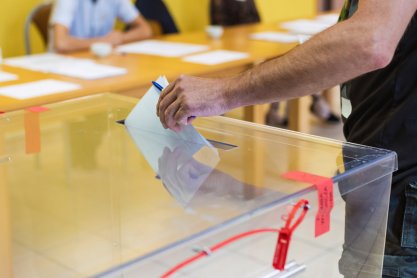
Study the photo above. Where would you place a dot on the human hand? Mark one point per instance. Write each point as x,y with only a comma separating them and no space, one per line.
114,37
192,96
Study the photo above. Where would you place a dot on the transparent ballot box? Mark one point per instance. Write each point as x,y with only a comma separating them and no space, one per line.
82,195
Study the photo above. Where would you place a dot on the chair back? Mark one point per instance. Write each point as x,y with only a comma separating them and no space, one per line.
39,17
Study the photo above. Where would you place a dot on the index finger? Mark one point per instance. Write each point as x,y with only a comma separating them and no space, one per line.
163,94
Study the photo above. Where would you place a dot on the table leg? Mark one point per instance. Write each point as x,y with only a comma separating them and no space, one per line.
299,114
6,270
332,96
254,113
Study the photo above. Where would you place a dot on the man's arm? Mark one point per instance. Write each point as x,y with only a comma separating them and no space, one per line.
363,43
139,29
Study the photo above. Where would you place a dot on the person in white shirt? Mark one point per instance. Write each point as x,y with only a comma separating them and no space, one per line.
76,24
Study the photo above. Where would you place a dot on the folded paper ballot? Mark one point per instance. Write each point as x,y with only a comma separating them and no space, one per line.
182,160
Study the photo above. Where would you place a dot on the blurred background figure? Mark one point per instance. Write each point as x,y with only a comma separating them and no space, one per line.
233,12
77,24
155,11
328,5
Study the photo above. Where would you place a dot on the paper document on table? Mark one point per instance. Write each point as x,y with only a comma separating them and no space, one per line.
329,19
5,76
37,89
275,37
305,26
143,120
68,66
216,57
88,70
161,48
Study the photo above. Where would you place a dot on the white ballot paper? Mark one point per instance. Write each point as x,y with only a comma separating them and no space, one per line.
161,48
182,160
37,89
68,66
305,26
216,57
275,37
5,76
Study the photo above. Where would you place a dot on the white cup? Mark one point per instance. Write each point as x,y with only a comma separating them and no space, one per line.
214,31
101,49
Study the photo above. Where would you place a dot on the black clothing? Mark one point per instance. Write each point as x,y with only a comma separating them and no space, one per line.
157,11
380,109
233,12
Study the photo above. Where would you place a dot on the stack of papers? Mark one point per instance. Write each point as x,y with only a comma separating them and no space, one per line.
161,48
37,89
216,57
68,66
5,76
305,26
275,37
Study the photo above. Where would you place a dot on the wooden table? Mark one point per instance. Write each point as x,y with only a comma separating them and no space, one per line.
143,68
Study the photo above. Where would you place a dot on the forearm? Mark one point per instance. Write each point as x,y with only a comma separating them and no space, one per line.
328,59
364,43
139,29
137,34
72,44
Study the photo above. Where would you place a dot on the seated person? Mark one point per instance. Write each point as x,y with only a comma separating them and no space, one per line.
76,24
233,12
156,10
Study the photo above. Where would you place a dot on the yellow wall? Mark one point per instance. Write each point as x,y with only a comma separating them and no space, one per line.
190,15
12,18
276,10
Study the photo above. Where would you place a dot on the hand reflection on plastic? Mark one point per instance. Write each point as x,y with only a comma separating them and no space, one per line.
187,168
181,174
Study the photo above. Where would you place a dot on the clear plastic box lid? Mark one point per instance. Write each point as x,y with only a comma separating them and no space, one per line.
82,195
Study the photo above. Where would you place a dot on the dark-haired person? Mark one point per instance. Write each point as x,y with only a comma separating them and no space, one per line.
156,10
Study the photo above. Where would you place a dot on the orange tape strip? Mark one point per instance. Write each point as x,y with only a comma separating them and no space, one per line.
33,129
37,109
324,188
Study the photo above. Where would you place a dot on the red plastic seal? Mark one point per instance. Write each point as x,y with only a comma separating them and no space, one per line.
37,109
284,237
324,188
